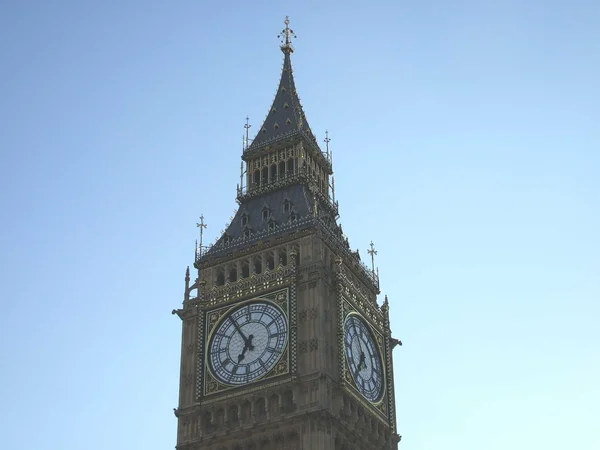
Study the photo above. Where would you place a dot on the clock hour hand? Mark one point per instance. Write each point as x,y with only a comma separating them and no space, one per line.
361,363
247,346
247,342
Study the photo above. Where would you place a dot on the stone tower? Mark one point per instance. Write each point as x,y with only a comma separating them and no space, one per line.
284,344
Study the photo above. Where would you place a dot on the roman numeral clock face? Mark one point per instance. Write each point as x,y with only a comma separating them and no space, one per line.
364,359
247,342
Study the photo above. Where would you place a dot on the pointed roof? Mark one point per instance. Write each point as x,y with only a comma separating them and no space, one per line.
286,117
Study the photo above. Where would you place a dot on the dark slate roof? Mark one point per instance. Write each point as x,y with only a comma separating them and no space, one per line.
301,204
286,116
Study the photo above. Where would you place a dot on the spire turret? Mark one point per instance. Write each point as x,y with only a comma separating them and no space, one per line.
286,117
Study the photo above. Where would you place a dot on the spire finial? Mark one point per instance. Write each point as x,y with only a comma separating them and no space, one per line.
286,36
247,127
327,141
372,252
202,226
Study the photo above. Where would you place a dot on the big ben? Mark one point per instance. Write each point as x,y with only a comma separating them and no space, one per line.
285,343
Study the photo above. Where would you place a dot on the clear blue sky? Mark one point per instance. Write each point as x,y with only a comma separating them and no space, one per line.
466,144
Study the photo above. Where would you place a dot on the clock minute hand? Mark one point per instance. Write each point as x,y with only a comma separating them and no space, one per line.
239,330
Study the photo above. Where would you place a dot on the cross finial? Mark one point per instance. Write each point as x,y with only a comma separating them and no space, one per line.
372,252
201,225
286,36
247,127
327,141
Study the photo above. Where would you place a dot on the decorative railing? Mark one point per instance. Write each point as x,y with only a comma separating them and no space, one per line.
234,243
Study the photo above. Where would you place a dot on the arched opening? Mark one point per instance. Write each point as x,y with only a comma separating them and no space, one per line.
265,176
220,279
282,169
257,264
274,405
283,257
273,177
246,412
270,261
245,269
207,422
256,179
232,415
233,273
219,417
260,409
287,402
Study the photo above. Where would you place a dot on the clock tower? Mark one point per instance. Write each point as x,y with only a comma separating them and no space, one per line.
285,344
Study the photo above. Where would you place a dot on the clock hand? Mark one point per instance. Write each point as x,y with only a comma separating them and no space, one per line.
247,346
239,330
361,362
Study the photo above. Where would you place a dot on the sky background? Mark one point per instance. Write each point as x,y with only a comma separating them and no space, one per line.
466,146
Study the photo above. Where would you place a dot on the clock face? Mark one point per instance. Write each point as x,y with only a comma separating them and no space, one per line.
364,360
247,342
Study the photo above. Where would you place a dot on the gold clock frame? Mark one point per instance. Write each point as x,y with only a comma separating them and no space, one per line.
378,339
211,318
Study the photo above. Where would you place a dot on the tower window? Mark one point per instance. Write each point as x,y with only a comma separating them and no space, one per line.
265,213
244,220
220,281
246,233
283,257
287,206
233,274
271,225
246,269
260,408
270,261
257,265
281,169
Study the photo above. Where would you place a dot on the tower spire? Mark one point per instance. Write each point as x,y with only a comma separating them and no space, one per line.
286,117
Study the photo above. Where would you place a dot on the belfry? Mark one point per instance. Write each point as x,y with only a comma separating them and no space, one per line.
284,342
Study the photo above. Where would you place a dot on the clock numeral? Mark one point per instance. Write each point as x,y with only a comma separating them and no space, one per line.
273,350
